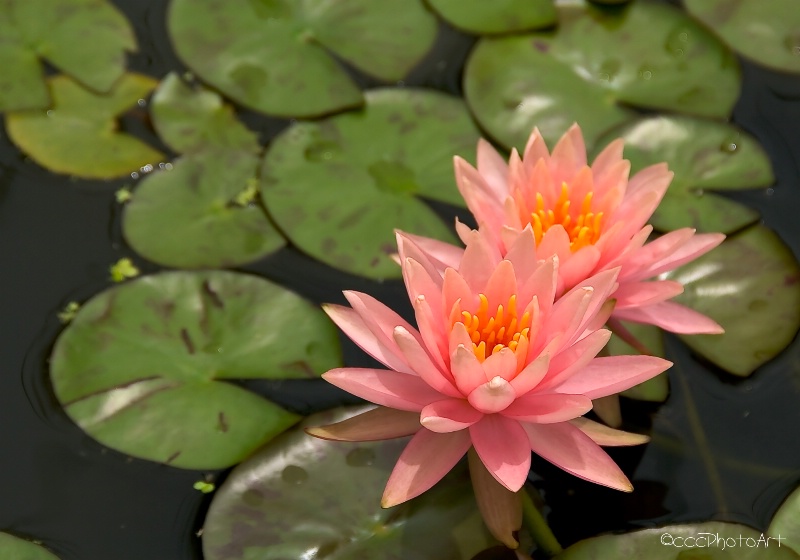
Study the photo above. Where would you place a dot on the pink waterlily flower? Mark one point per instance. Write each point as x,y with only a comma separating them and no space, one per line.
498,365
593,217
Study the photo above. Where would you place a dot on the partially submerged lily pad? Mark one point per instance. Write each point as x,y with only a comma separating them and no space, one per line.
766,32
79,135
195,118
751,286
275,56
786,522
600,61
303,497
147,367
498,16
192,216
705,156
712,540
86,39
338,188
15,548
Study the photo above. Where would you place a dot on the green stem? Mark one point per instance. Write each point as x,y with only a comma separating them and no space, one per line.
538,528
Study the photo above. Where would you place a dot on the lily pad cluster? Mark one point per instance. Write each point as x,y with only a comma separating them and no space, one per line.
150,367
279,504
15,548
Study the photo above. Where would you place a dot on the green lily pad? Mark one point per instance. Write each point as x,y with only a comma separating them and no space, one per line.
189,119
751,286
712,540
275,56
766,32
193,216
704,155
15,548
338,188
599,61
786,522
86,39
79,135
499,16
303,497
146,367
657,388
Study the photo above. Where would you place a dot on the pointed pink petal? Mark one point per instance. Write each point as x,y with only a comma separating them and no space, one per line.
641,294
478,262
384,387
425,460
420,283
638,262
634,213
407,249
535,148
478,195
548,408
570,449
501,364
503,447
502,284
500,508
542,283
354,327
647,177
431,330
566,317
696,246
459,336
579,266
421,363
493,168
610,156
541,182
672,317
449,415
376,424
568,156
603,285
379,319
610,375
576,357
440,253
493,396
532,375
522,253
467,370
555,241
618,251
603,435
455,288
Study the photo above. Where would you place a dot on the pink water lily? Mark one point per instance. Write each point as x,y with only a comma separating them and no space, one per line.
592,217
497,364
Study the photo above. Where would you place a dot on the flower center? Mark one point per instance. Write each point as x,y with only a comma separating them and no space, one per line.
492,333
583,227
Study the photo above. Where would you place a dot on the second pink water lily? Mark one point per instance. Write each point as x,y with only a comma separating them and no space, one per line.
497,364
591,216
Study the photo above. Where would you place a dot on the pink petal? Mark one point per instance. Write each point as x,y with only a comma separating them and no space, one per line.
638,262
555,241
493,396
420,361
500,508
566,317
607,160
568,156
467,370
502,284
532,375
672,317
478,195
647,177
379,319
610,375
384,387
570,449
478,263
522,253
440,253
542,283
611,187
432,332
603,435
376,424
493,168
535,148
503,447
354,327
640,294
548,408
425,460
575,357
501,364
420,283
696,246
449,415
579,266
455,288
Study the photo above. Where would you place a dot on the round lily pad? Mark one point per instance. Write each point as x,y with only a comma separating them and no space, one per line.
147,367
786,522
189,119
599,61
303,497
15,548
751,286
275,56
705,156
200,214
79,135
338,188
86,39
766,32
712,540
499,16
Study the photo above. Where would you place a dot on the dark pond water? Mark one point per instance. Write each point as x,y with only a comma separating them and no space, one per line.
722,448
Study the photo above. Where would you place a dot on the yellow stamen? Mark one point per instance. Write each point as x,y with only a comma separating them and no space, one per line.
490,334
583,227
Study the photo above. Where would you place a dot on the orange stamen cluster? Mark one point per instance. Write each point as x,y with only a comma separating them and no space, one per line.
503,329
583,229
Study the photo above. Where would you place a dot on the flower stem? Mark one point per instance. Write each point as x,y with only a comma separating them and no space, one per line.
538,528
